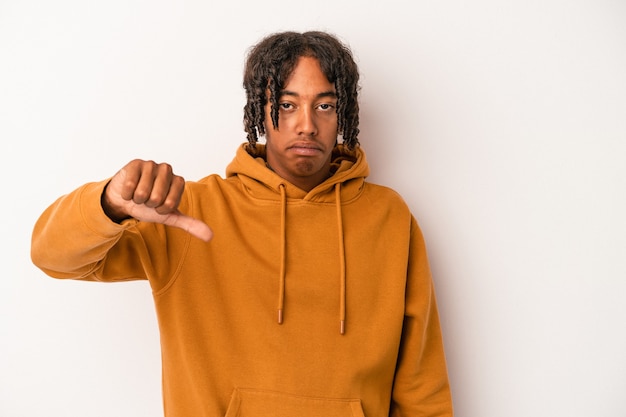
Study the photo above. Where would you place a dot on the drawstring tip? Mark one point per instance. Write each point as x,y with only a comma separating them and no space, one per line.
342,327
280,316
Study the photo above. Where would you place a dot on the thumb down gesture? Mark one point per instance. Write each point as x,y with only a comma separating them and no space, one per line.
150,192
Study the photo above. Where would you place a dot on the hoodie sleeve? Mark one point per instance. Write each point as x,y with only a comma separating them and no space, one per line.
73,238
421,386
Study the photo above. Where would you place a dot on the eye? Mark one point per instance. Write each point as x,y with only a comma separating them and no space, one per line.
285,106
326,107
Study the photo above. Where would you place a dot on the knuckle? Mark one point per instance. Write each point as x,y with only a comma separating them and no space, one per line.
140,196
178,181
164,168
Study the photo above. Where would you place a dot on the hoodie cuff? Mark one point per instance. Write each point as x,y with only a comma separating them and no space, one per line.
93,214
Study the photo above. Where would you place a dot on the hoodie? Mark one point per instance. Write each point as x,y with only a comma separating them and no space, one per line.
316,303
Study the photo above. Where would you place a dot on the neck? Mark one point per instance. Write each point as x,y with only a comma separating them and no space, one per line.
305,182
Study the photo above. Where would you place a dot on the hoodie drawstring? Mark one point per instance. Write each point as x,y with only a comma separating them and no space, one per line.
283,251
283,257
342,263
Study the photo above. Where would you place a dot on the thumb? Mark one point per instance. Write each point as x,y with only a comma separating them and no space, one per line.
191,225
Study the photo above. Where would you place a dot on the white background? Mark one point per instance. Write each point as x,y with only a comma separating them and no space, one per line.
502,123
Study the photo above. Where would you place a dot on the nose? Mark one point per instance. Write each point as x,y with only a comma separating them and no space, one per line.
306,122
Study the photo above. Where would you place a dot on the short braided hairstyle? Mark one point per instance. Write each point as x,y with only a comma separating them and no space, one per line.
270,63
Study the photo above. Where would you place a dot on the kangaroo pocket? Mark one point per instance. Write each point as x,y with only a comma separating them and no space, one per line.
259,403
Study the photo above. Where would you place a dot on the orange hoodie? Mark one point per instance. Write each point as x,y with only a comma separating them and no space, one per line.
304,304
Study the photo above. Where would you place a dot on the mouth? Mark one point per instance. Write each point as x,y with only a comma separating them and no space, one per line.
305,149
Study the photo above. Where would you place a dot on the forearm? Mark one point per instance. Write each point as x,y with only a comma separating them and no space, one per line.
421,386
74,234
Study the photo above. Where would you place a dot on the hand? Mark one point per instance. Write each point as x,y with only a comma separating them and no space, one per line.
150,192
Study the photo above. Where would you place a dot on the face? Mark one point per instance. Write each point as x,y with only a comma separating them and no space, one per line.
299,150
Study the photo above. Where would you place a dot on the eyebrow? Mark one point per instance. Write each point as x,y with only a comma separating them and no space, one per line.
323,94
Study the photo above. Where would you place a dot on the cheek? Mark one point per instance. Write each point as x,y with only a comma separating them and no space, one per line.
331,125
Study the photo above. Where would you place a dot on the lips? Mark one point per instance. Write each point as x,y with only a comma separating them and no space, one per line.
305,149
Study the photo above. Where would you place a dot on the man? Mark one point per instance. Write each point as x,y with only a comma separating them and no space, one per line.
309,295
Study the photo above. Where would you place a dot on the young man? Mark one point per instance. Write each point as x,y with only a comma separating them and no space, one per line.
309,295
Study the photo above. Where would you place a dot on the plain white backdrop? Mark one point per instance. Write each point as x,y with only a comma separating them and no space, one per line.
502,123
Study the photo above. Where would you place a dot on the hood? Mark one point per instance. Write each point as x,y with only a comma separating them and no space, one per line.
348,168
348,172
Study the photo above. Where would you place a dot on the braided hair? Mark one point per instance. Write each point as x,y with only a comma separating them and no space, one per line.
269,65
